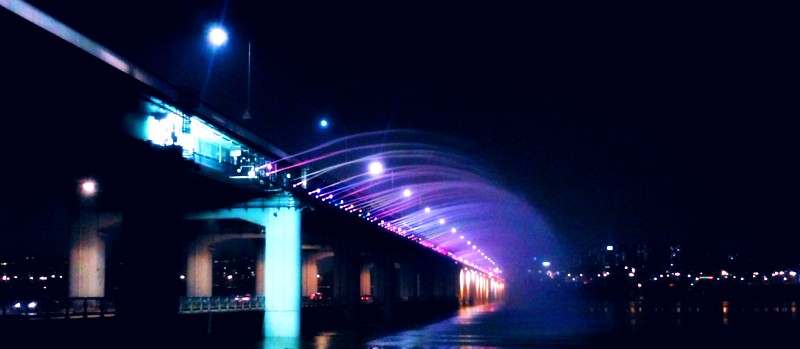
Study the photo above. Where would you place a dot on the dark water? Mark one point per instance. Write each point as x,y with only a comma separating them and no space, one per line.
565,321
540,319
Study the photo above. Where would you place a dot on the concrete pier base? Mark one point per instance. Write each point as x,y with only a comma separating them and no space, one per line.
280,216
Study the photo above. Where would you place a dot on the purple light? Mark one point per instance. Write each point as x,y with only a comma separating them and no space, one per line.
451,182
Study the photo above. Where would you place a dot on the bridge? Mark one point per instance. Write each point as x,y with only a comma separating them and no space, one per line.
134,170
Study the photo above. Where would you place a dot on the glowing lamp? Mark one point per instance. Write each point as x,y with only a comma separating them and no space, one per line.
88,187
375,168
217,36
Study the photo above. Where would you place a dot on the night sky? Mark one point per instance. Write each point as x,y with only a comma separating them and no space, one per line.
620,123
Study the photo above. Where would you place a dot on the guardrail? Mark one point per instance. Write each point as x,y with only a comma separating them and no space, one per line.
57,308
188,305
94,307
219,303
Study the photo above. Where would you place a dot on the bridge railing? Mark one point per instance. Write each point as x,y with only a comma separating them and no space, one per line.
235,303
57,308
220,303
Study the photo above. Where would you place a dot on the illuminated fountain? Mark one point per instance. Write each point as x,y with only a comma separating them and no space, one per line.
429,193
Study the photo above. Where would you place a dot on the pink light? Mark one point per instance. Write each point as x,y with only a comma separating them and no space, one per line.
88,187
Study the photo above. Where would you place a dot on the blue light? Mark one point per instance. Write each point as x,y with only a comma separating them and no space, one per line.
217,36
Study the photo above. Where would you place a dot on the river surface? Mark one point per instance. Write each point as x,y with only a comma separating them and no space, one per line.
542,318
564,321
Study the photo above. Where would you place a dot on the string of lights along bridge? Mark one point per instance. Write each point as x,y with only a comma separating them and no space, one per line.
424,192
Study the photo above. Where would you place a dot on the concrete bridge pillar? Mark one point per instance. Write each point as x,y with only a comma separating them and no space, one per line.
87,256
425,269
260,272
384,286
199,273
151,267
367,271
346,263
446,280
469,292
281,271
279,214
311,271
407,277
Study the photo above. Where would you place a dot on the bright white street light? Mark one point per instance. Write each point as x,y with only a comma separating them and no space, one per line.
375,168
217,36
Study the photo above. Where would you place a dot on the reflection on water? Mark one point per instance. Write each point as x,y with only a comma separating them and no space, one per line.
500,326
561,321
604,324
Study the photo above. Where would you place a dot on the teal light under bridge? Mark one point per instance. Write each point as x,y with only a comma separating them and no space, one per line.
280,217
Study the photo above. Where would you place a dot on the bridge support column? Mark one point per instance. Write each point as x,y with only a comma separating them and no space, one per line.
310,271
384,284
424,268
346,268
150,288
282,272
367,270
446,280
407,286
199,273
260,272
87,256
280,217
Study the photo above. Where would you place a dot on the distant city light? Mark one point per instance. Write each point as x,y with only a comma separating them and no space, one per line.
609,248
323,123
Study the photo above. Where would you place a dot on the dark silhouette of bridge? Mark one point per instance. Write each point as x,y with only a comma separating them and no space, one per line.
150,179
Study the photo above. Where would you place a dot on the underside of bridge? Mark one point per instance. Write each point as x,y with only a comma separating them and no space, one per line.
157,215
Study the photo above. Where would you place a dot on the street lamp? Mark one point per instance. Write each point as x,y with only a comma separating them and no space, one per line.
375,168
88,187
327,126
246,115
217,36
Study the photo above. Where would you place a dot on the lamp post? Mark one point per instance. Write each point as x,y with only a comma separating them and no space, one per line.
246,115
217,36
325,125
